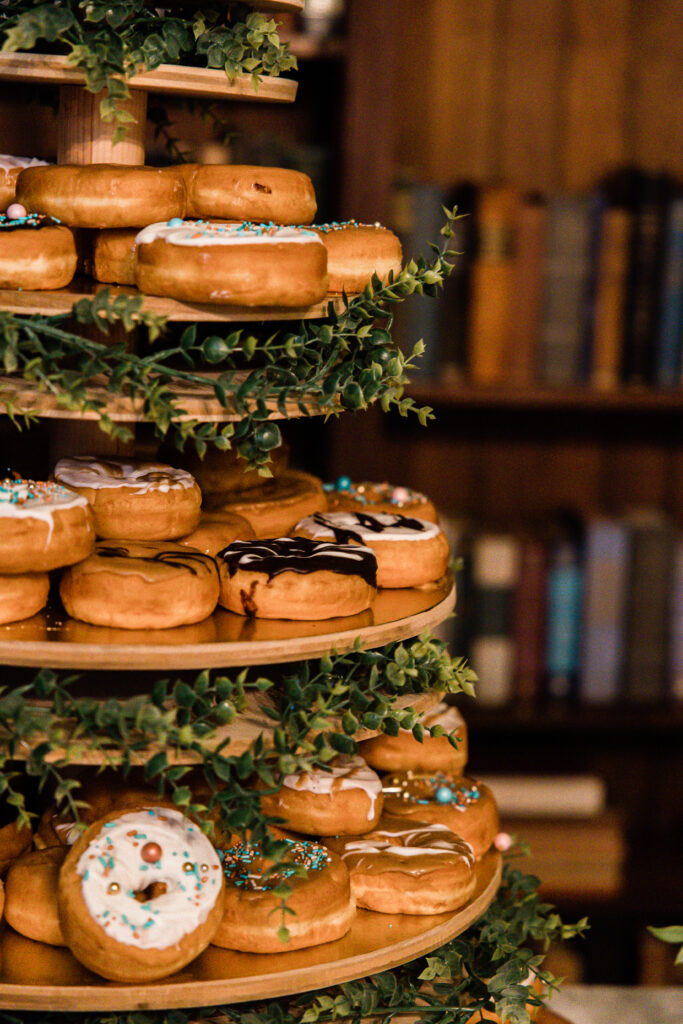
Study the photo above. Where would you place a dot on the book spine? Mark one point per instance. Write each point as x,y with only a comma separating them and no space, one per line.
606,576
454,304
495,573
529,620
669,355
647,616
563,630
526,288
610,298
676,625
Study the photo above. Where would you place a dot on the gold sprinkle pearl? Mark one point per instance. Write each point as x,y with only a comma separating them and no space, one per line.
113,887
188,867
203,868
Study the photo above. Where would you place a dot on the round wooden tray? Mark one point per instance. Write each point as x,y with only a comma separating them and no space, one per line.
224,639
167,78
39,977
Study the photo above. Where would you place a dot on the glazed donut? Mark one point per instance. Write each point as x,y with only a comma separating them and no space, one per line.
257,194
357,251
134,500
344,800
10,168
321,900
467,807
296,578
36,252
278,505
43,526
31,895
408,867
111,256
138,585
435,753
232,264
343,496
410,552
216,530
25,962
103,195
15,839
140,895
22,596
223,476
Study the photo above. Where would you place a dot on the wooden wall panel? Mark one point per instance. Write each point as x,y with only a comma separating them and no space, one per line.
657,88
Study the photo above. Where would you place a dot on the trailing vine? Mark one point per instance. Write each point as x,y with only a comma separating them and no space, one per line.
344,362
112,40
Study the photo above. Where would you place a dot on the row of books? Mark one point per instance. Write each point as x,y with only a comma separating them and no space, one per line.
559,289
587,611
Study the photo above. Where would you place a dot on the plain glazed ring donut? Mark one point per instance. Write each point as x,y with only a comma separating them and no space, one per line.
10,169
345,496
344,800
36,252
357,251
232,264
463,805
223,476
408,867
155,854
134,500
15,839
241,192
31,895
277,506
103,195
322,902
134,585
216,530
435,753
296,578
410,552
111,256
43,526
22,596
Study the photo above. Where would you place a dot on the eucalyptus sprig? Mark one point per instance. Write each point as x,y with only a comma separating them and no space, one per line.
112,40
343,362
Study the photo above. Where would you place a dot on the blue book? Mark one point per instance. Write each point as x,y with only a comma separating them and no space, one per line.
606,574
670,340
564,596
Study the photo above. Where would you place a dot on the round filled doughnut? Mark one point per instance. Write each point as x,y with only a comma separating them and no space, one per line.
406,867
467,807
345,799
134,500
410,552
241,192
222,475
296,578
140,895
435,753
10,168
103,195
43,526
36,251
31,895
278,505
322,902
15,839
25,962
22,596
139,585
232,264
357,251
343,495
216,530
111,256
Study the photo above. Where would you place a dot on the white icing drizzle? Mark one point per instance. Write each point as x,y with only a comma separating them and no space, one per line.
84,471
205,233
9,163
389,526
443,714
31,499
344,773
405,843
113,860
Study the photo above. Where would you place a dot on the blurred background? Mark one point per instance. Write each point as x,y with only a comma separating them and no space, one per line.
553,366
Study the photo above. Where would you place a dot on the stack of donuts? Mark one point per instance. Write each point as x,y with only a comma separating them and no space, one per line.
226,234
135,889
144,545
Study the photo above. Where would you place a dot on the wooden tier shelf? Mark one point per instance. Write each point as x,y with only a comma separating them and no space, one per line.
280,6
39,977
224,639
211,83
627,399
56,303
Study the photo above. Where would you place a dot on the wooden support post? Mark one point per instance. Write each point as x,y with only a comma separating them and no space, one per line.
84,138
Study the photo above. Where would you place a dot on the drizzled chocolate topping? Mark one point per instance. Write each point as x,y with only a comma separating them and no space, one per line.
302,555
368,521
193,561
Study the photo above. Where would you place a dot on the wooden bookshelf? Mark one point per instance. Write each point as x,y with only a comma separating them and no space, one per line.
461,395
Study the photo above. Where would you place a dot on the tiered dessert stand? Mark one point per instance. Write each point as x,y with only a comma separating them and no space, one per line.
376,941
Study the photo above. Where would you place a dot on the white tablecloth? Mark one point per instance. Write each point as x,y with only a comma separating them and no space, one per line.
606,1004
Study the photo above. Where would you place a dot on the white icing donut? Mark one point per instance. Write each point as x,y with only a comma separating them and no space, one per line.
8,163
204,233
37,499
345,773
442,714
119,863
365,527
84,471
406,844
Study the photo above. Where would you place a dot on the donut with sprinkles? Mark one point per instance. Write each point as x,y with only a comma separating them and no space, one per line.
43,526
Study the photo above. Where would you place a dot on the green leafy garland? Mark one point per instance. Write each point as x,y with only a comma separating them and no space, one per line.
342,363
111,40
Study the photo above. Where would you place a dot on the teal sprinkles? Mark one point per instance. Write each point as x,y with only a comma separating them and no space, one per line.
439,788
243,864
